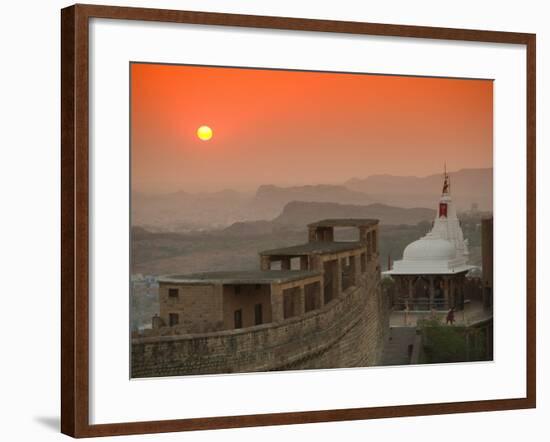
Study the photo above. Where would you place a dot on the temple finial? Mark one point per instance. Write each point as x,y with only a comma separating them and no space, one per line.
446,180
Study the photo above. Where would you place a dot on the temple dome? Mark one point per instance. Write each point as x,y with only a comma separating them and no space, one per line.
443,251
430,248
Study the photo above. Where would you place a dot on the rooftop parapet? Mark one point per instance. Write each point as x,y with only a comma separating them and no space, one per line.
240,277
322,231
345,222
314,248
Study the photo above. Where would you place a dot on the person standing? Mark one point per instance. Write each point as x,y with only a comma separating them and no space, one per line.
451,316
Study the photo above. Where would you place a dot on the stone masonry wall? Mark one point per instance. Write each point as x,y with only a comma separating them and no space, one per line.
199,307
347,332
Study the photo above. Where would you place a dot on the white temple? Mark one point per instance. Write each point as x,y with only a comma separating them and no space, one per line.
443,250
433,267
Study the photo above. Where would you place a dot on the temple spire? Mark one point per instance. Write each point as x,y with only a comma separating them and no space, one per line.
446,181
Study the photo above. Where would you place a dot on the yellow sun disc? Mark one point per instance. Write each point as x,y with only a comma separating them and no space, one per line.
204,133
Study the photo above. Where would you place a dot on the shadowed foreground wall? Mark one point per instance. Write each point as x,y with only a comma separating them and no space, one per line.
347,332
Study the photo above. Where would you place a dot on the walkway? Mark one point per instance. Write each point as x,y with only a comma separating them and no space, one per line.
473,312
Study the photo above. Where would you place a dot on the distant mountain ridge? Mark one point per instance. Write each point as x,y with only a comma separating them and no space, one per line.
270,199
182,211
468,186
318,192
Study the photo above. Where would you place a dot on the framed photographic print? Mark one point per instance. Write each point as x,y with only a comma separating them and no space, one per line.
272,220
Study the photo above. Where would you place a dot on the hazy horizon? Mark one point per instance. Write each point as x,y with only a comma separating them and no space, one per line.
253,189
290,128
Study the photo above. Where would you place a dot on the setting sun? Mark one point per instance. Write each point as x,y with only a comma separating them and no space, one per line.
204,133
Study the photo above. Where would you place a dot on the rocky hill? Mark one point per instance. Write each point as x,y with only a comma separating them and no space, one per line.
270,200
301,213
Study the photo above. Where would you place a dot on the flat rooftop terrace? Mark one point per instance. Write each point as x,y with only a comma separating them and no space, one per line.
344,222
241,277
315,247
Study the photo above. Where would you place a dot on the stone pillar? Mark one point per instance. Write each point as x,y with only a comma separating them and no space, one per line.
337,280
369,246
411,286
363,235
321,294
355,269
446,290
285,263
432,292
452,294
405,290
304,263
277,307
312,234
301,301
265,262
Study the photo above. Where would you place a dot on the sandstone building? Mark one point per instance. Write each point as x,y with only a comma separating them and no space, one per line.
314,305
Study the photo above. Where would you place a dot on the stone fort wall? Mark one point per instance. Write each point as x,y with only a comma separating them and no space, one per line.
347,332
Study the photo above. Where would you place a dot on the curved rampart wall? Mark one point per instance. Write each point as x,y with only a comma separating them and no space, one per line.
347,332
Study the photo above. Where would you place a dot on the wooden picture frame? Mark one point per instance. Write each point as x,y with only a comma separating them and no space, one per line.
75,219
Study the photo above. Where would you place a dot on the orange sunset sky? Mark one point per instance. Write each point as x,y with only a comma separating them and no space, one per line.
295,128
